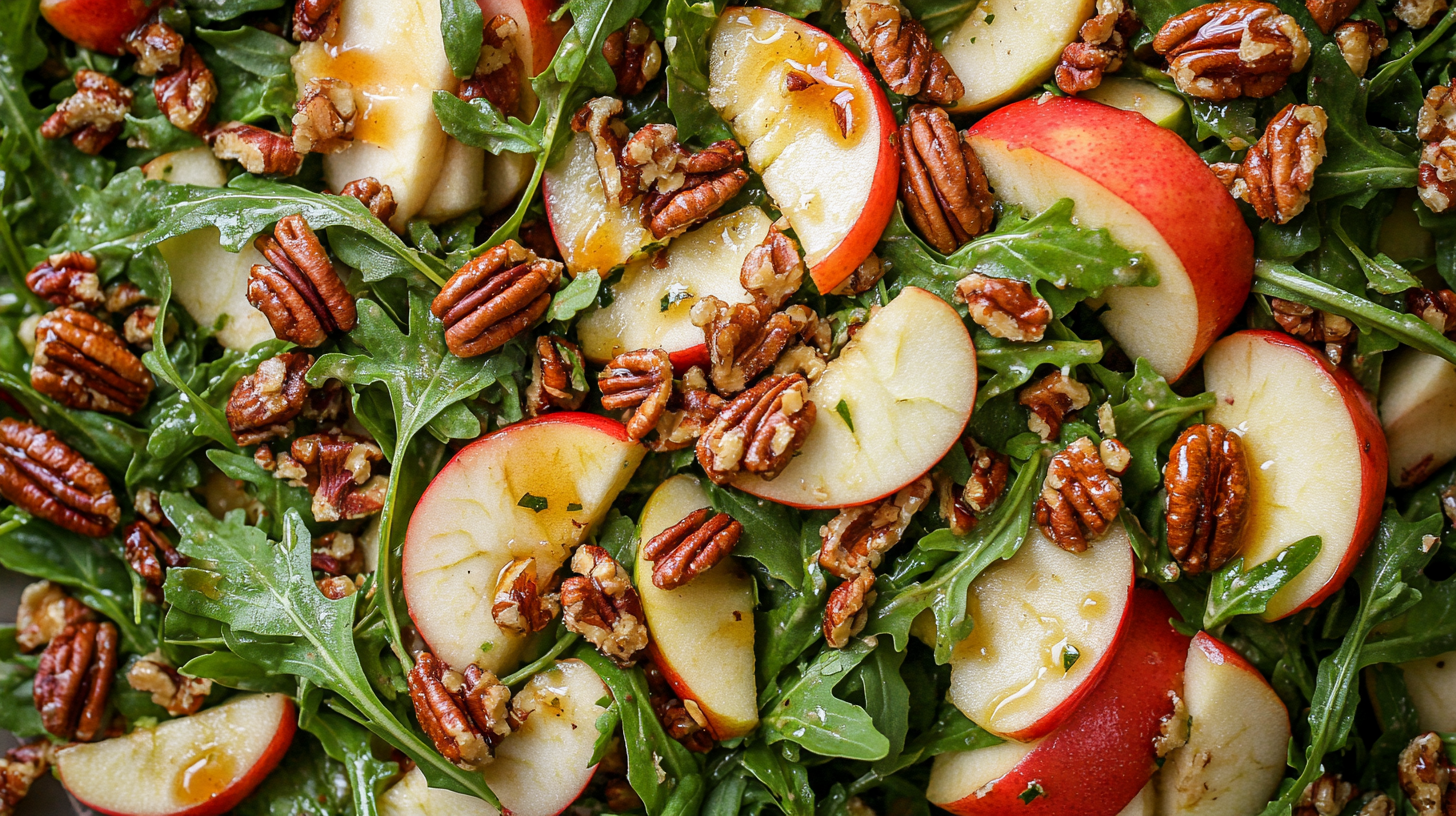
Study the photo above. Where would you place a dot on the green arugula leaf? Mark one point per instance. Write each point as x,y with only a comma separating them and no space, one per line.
791,613
252,49
18,713
1235,591
952,731
805,711
843,410
218,10
579,294
685,39
276,495
479,123
463,28
939,16
227,669
1386,77
306,783
770,531
1359,157
1013,364
786,779
1384,275
1150,416
349,743
886,696
1427,630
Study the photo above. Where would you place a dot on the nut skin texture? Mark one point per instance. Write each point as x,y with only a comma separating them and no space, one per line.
942,184
1360,42
1009,309
691,547
745,339
1435,125
74,679
1221,51
375,196
149,553
323,121
298,290
1051,400
93,116
902,51
1425,775
465,722
186,94
1435,306
156,46
673,715
339,467
847,610
498,74
263,404
689,413
989,472
181,696
43,476
600,604
1329,13
1207,480
856,539
641,382
314,19
493,298
67,279
259,151
634,56
1101,46
83,363
700,196
551,387
19,769
600,119
1314,326
759,431
1277,173
519,605
1080,498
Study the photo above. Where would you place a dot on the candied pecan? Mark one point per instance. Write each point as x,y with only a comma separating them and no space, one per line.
1314,326
156,46
339,467
493,298
259,151
263,404
557,380
19,769
42,475
45,611
1278,171
148,505
82,363
689,413
641,382
772,271
123,295
1224,50
178,694
683,720
93,116
1080,498
863,278
600,604
759,431
634,56
498,72
1418,13
315,19
74,678
337,587
298,290
186,94
149,553
902,51
600,120
519,604
741,343
942,184
1360,41
1050,400
691,546
700,195
1207,479
848,609
1437,117
1425,774
67,279
1376,804
989,469
463,713
337,553
324,121
856,540
653,153
1435,306
1100,47
376,197
1005,308
1329,13
1436,174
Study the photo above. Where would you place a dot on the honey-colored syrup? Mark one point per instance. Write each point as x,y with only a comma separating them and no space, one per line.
207,775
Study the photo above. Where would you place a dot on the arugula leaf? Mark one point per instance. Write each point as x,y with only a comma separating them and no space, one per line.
770,531
18,713
1235,591
276,495
805,711
348,742
1386,77
1384,275
1427,630
479,123
306,783
579,294
227,669
785,778
952,731
463,28
941,15
1014,363
1358,157
252,49
791,624
886,696
259,84
685,40
218,10
1151,415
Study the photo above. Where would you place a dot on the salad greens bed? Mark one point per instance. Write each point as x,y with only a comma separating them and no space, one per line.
861,722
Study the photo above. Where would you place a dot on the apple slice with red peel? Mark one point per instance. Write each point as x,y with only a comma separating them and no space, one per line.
1432,686
651,302
196,166
835,183
1323,475
1418,412
100,25
200,765
1238,737
1097,761
907,382
413,796
702,632
591,233
1159,199
1048,622
532,490
1006,48
1145,803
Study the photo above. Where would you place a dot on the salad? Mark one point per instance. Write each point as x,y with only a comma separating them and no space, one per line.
675,408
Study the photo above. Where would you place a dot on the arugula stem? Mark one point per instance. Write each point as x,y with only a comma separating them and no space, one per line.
384,576
541,663
1390,71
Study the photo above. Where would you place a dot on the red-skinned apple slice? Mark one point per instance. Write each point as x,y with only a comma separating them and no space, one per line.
1145,803
201,765
1432,686
1047,624
702,632
591,233
1102,756
837,190
1159,199
1237,739
477,516
100,25
908,383
1006,48
1418,412
1323,475
652,300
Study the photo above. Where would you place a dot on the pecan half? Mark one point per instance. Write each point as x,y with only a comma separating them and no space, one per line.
641,382
19,769
1329,13
45,611
557,380
324,121
67,279
700,195
339,468
498,72
600,604
600,119
259,151
464,713
186,94
82,363
74,678
1360,41
1221,51
942,184
902,51
375,196
742,343
1080,498
93,116
263,404
682,720
847,610
1005,308
1314,326
298,290
156,46
759,431
691,546
1101,46
42,475
1435,306
315,19
1425,774
178,694
149,553
1418,13
634,56
989,470
1278,171
1050,400
1207,479
519,604
856,540
493,298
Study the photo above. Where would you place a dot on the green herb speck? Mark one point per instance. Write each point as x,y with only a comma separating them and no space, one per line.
535,503
1069,657
843,410
573,507
1032,792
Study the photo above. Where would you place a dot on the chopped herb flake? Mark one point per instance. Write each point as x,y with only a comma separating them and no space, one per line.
535,503
676,293
573,507
1032,793
1069,657
843,410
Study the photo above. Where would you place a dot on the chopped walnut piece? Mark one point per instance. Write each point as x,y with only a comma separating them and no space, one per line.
464,713
1005,308
376,197
315,19
1376,804
691,546
498,72
45,611
1360,41
989,471
640,382
1418,13
324,122
1425,774
339,468
1435,306
958,517
74,679
856,540
634,56
1314,326
156,46
150,554
519,604
494,297
263,404
122,296
1079,499
1278,171
600,120
1224,50
140,325
170,689
759,431
847,610
1050,400
1101,46
600,604
67,279
186,94
259,151
558,380
942,184
19,769
93,116
1207,481
902,51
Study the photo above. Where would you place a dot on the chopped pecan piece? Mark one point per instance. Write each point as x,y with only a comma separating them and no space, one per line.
759,431
1360,41
519,604
1207,479
989,470
1080,498
677,716
336,554
1425,774
123,295
1100,48
557,378
1278,171
140,325
641,382
958,517
499,72
42,475
342,465
600,119
263,404
1325,796
186,94
82,363
493,298
856,540
689,413
848,609
19,769
1329,13
74,679
742,343
67,279
902,51
772,271
1436,174
863,278
315,19
93,116
464,713
156,46
1377,804
377,197
45,611
178,694
149,553
1314,326
324,121
1005,308
600,604
1437,117
298,290
634,56
942,184
148,505
259,151
700,195
1435,306
691,546
1050,400
1418,13
1224,50
337,587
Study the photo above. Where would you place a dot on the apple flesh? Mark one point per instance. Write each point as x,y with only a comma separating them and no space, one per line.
1160,200
652,301
197,167
1047,624
836,186
100,25
1418,412
413,796
1005,48
1237,739
1163,108
702,632
1145,803
908,382
1323,475
200,765
212,283
470,524
1432,686
591,233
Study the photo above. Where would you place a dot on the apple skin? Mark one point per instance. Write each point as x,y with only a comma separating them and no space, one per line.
100,25
1163,180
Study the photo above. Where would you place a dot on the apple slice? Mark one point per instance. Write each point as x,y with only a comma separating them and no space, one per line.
413,796
200,765
591,233
100,25
1005,48
1159,199
1322,475
1237,739
1099,759
1418,411
907,382
1047,624
702,632
1432,686
211,283
477,516
651,303
1145,803
836,185
460,186
197,166
1163,108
